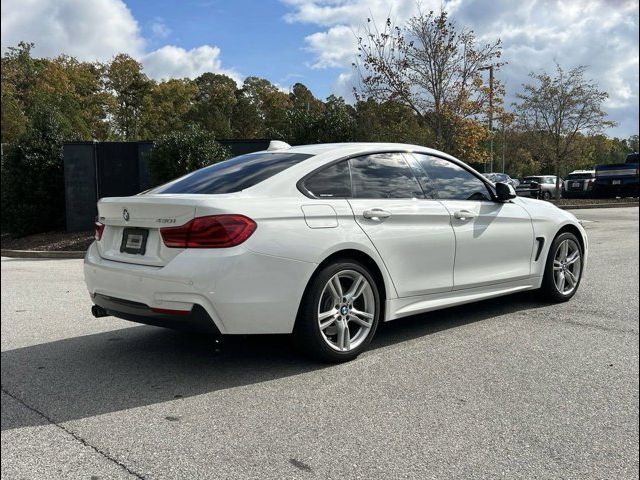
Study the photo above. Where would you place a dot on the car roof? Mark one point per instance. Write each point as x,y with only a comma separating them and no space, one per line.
350,147
323,153
582,171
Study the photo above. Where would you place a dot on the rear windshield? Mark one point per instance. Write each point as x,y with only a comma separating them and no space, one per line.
532,179
580,176
233,175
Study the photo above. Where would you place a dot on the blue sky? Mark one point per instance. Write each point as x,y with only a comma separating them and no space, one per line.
252,35
313,41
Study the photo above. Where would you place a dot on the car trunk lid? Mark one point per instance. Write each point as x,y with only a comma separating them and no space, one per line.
136,221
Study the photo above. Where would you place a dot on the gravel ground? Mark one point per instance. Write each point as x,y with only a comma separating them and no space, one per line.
50,241
504,388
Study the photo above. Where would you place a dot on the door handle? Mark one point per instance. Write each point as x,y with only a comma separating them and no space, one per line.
464,214
376,214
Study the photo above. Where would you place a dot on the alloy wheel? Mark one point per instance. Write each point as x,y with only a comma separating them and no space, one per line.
567,266
346,310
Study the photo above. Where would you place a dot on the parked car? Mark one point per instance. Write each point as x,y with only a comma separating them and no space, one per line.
502,177
325,242
579,184
618,179
539,186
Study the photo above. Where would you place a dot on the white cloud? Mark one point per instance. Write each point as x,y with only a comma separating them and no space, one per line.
159,29
91,30
345,12
97,30
602,34
333,48
176,62
343,86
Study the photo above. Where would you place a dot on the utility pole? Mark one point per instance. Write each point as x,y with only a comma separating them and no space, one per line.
491,116
504,142
490,68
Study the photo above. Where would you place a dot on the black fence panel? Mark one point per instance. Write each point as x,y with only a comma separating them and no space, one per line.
143,170
240,147
79,185
117,169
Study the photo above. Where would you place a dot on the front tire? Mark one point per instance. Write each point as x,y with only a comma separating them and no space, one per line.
563,270
339,313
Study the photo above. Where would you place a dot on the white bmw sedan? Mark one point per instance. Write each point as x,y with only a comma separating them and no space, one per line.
325,242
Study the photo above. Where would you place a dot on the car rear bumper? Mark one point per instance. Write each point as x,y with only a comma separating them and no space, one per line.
576,193
196,320
626,188
528,193
241,292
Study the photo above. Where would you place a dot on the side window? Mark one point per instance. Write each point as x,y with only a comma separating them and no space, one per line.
452,182
333,181
383,175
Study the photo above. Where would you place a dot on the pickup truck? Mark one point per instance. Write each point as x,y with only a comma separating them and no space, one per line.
618,179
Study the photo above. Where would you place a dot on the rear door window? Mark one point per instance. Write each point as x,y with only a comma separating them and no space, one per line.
233,175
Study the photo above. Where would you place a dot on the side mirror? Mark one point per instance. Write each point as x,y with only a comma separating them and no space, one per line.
505,192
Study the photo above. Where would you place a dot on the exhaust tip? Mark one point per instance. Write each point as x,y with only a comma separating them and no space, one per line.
97,311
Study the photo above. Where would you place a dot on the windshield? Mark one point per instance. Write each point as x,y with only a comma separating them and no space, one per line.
497,177
232,175
580,176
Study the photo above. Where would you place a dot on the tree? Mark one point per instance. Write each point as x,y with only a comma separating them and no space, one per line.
19,74
73,90
262,110
88,90
304,116
559,109
32,178
14,122
166,107
128,86
178,153
214,102
436,71
389,121
337,123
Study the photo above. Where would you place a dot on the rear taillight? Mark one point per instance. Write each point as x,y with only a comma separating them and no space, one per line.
215,231
99,230
590,183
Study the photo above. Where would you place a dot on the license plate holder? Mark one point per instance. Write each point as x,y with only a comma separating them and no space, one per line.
616,182
575,184
134,240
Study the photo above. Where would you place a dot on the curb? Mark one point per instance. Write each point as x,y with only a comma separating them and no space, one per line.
42,254
598,205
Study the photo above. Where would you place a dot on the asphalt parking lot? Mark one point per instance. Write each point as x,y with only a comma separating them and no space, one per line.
504,388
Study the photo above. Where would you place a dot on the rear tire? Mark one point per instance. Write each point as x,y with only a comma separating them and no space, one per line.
563,269
339,313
